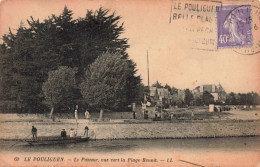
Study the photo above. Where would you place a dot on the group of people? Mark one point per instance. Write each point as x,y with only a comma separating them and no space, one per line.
73,133
87,115
63,133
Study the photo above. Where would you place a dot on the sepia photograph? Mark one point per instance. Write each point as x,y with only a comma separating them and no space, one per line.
130,83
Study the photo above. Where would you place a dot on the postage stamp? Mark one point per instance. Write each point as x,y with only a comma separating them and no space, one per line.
234,26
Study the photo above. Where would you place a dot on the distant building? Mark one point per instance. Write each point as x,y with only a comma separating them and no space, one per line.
216,91
158,95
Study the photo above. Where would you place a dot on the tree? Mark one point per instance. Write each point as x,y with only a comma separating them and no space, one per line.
177,100
235,99
242,99
188,97
157,84
105,84
207,98
251,98
143,91
59,40
198,100
256,98
174,90
60,89
167,87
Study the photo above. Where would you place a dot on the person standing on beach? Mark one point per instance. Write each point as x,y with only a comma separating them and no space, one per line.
72,133
86,132
76,114
143,109
34,133
134,115
87,114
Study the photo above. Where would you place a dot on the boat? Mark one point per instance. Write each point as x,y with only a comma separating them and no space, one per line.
50,140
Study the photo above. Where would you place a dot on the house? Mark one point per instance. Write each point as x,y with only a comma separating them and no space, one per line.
159,95
216,91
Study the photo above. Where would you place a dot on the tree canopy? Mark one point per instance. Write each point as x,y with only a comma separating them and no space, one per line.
60,89
207,98
60,40
188,98
157,84
105,84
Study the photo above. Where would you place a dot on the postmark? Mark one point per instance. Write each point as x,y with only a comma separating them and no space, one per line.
255,49
234,26
198,20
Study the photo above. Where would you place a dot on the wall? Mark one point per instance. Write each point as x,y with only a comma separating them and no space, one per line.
120,130
175,130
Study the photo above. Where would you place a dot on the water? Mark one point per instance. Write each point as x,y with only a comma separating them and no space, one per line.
228,145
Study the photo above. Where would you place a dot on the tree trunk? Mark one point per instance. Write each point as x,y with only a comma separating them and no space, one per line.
101,114
52,110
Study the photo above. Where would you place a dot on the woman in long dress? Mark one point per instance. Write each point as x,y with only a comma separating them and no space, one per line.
76,115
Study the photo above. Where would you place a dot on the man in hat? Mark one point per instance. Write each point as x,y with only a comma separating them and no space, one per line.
63,133
86,132
34,133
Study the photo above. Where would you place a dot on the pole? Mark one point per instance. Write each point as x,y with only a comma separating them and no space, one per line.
19,141
148,80
170,14
161,111
148,70
76,115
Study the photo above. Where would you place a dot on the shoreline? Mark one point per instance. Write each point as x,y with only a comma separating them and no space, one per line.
140,130
202,137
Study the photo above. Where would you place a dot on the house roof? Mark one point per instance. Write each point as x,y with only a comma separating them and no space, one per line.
163,92
211,88
208,88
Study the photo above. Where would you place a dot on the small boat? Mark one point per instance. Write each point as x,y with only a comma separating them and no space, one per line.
49,140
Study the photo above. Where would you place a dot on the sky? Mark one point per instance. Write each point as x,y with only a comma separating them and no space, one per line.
172,57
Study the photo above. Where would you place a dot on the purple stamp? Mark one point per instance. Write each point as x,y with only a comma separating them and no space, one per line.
234,26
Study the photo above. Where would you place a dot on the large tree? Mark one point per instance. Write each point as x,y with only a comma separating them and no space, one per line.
198,100
60,89
105,84
233,98
250,98
177,100
188,98
59,40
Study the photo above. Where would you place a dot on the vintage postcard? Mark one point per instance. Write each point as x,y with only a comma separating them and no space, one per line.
129,83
